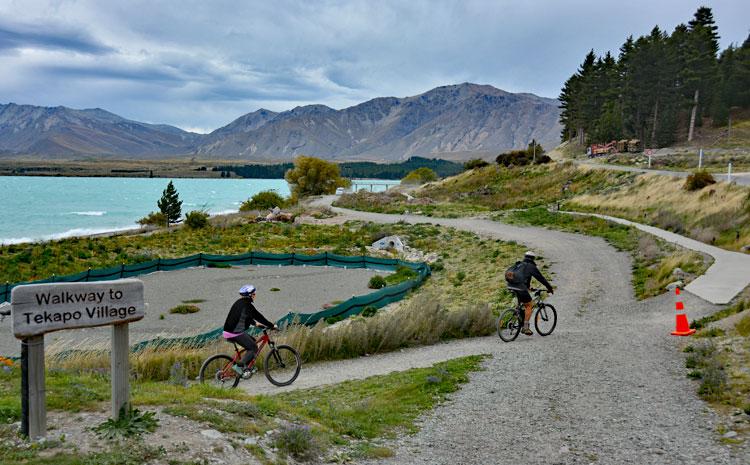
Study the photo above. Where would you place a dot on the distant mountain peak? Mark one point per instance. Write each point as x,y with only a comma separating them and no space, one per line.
451,121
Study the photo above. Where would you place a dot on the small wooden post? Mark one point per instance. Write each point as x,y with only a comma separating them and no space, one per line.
33,403
119,356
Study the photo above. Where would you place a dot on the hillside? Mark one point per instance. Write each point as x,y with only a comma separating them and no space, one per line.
454,122
465,120
61,132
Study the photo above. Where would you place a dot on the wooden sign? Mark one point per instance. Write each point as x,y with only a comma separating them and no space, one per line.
42,308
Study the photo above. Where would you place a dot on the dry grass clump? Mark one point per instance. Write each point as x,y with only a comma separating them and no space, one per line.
422,320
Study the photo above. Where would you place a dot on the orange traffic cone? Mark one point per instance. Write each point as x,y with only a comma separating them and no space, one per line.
682,326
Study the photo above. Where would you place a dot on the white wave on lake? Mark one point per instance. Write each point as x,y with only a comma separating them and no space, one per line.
63,235
89,213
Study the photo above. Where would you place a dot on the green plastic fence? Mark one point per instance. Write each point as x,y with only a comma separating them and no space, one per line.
353,306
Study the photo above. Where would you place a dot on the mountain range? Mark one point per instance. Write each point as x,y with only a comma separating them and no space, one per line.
456,121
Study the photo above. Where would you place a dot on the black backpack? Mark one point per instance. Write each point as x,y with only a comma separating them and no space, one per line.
515,273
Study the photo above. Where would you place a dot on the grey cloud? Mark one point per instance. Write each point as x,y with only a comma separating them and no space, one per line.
50,37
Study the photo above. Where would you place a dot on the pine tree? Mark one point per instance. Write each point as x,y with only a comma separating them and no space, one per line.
170,204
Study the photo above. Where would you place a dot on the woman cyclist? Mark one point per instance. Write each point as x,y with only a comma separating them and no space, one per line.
241,316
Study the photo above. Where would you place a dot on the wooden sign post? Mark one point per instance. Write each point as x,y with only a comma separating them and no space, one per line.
42,308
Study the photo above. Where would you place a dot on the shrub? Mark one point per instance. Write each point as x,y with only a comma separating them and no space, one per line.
698,180
265,200
313,176
420,176
369,311
184,309
131,422
297,441
153,219
377,282
475,163
196,219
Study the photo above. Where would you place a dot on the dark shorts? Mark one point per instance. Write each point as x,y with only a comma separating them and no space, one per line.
523,296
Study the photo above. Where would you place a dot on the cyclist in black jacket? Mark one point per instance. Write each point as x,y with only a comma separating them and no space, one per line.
241,316
523,284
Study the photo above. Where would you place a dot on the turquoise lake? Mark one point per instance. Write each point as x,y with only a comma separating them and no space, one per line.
44,208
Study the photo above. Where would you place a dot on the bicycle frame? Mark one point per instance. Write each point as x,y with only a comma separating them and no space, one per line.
239,352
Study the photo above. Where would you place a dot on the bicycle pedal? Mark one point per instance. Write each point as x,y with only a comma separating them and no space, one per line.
247,374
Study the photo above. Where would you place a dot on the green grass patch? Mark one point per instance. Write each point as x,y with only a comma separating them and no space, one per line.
185,309
720,315
193,301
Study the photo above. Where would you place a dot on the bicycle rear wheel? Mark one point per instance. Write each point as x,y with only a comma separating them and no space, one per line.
217,371
545,319
508,325
282,365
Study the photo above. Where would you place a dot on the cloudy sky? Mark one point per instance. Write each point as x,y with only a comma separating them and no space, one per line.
199,64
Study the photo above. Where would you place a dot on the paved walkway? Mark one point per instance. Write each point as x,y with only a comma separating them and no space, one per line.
724,279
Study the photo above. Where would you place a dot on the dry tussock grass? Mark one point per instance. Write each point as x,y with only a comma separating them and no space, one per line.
422,320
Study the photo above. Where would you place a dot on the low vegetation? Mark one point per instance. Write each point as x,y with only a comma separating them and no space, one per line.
265,200
698,180
420,176
196,219
332,424
184,309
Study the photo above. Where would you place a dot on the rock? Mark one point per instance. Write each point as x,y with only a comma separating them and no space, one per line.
678,273
745,249
211,434
671,286
729,434
389,242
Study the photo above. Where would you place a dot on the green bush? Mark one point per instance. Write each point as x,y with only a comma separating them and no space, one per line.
369,311
698,180
131,422
185,309
475,163
377,282
297,441
265,200
153,219
420,176
196,219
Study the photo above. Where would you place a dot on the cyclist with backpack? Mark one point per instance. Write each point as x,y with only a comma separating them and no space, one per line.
241,316
519,277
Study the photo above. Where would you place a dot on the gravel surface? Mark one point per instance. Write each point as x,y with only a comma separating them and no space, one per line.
607,387
301,289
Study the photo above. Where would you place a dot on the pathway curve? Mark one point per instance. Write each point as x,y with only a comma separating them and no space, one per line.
725,278
607,387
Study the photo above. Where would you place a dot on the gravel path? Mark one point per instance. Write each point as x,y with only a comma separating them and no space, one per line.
738,178
607,387
301,289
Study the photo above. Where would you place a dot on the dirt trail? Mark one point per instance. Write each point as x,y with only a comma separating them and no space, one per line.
607,387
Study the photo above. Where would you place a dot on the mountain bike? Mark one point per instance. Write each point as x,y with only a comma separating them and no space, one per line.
281,365
511,320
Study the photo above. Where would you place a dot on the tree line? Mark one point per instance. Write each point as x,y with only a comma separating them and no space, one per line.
659,88
442,168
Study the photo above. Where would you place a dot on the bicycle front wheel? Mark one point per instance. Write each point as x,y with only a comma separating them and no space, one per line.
545,320
282,365
508,325
217,371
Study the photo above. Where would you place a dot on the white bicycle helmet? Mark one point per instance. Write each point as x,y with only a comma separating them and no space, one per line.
530,253
247,289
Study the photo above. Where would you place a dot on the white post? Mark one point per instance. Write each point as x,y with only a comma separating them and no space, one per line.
700,158
729,173
649,161
120,381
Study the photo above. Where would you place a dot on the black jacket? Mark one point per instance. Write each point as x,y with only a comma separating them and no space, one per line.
531,271
244,305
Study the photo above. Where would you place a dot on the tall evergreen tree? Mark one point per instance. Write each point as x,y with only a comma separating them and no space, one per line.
703,45
170,204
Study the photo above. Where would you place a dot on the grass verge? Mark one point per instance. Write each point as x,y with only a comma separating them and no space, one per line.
342,422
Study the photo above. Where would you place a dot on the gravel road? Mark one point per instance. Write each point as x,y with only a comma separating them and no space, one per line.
608,387
301,289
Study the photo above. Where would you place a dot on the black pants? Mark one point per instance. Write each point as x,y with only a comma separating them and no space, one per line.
248,343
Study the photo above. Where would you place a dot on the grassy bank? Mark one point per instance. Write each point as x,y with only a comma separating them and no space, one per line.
493,188
718,214
654,260
334,423
717,358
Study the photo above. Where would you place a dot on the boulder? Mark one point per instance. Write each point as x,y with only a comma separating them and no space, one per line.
671,286
389,243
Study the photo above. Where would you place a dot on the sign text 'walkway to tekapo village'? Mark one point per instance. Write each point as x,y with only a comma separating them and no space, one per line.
42,308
